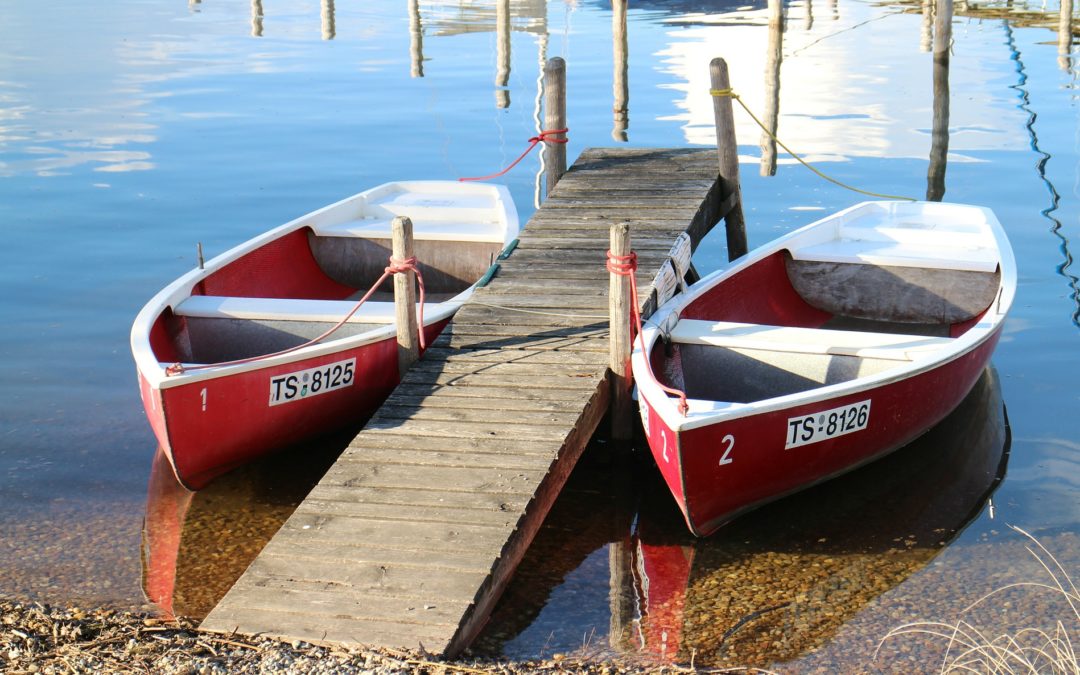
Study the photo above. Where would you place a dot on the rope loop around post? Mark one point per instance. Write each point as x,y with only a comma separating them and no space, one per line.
401,266
542,137
626,265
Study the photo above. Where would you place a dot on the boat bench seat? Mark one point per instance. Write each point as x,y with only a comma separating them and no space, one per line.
284,309
889,346
375,228
950,247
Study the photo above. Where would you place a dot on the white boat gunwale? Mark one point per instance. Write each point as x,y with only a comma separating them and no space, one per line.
704,412
177,291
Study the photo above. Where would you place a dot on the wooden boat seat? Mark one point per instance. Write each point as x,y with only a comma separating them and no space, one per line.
284,309
378,228
918,243
889,346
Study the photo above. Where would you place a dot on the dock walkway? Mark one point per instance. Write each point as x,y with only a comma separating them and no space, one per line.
412,535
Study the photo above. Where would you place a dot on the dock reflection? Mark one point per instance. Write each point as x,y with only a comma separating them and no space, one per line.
195,545
780,582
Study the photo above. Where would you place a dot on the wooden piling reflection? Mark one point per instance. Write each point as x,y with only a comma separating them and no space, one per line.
502,47
926,28
773,57
416,40
620,84
256,18
1065,35
327,20
939,137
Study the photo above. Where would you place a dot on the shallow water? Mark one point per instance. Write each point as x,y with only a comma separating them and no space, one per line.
131,131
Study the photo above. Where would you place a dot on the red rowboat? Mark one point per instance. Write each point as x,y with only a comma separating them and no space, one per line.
230,359
820,351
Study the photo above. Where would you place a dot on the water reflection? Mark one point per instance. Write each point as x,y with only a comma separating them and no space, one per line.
939,135
1021,89
779,583
197,544
767,588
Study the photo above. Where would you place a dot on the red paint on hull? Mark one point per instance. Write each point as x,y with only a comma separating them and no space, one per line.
761,469
237,424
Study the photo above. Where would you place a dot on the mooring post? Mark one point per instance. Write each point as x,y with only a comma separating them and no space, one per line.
728,150
404,295
619,310
554,118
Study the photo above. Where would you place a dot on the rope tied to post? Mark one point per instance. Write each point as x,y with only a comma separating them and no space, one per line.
543,137
730,93
626,266
396,266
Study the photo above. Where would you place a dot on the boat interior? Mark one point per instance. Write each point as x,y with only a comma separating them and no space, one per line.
820,322
298,286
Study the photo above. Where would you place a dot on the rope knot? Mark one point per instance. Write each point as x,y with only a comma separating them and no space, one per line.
729,93
398,266
543,137
623,265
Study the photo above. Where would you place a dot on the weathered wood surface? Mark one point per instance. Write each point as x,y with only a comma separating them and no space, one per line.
412,535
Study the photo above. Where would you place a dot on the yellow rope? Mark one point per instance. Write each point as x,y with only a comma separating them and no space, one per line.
730,93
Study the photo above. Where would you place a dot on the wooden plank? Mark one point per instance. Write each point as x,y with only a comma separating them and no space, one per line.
322,627
491,501
412,535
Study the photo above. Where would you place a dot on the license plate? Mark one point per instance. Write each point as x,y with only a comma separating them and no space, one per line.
827,424
311,382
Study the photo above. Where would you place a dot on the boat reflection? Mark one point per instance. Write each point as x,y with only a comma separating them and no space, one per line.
780,582
195,545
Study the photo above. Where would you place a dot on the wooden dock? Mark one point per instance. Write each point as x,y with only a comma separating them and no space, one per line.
412,535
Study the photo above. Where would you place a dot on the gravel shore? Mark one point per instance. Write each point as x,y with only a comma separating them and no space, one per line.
41,639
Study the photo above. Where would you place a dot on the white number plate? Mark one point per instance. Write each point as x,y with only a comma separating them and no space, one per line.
827,424
311,382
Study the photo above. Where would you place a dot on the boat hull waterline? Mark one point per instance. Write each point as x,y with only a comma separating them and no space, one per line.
789,384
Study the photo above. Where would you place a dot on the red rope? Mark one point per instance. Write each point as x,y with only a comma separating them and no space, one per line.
625,266
395,267
533,142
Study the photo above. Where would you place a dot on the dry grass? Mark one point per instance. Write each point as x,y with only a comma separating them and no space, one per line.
1027,650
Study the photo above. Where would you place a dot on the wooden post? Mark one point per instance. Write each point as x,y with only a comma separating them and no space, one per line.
1065,35
619,300
728,150
404,295
554,118
620,87
773,57
502,49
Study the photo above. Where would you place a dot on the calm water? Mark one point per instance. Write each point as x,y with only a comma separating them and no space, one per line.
130,131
